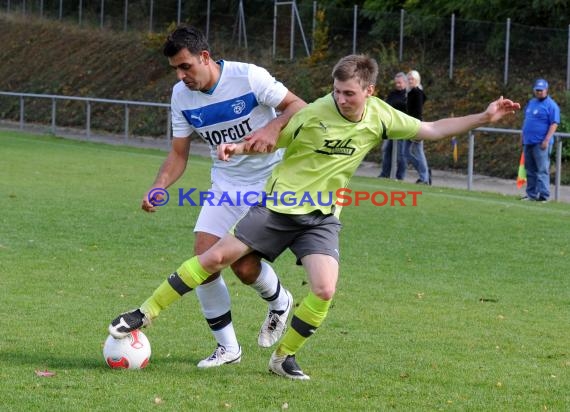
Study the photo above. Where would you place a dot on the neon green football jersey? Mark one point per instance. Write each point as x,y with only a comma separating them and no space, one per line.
324,149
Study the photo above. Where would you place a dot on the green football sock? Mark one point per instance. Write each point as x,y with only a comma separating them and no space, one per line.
187,277
307,318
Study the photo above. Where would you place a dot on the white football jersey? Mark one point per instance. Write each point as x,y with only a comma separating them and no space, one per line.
243,100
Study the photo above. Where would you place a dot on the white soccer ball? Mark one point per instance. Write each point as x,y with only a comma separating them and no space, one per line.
130,352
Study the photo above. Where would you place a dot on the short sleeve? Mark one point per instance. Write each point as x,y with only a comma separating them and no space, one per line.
269,91
180,126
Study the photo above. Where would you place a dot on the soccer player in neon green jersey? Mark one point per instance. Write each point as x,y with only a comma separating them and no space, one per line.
325,142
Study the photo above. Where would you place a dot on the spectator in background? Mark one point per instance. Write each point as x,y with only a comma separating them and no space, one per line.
415,148
397,98
541,119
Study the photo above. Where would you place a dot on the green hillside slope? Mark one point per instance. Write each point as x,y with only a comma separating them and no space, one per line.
40,56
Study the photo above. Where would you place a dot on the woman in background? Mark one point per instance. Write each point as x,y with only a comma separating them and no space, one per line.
415,148
397,98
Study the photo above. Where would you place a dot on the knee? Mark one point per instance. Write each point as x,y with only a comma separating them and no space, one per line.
325,292
247,270
213,261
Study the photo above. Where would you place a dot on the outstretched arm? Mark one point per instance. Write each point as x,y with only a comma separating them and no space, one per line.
457,125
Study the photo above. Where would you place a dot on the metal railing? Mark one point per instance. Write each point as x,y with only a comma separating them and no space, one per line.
88,101
350,25
128,103
471,153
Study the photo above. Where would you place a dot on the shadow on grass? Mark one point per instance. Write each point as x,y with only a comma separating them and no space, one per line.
160,359
46,360
88,360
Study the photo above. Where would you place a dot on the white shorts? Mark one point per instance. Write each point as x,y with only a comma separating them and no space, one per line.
226,206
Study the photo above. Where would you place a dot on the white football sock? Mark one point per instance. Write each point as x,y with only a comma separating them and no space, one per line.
266,285
214,299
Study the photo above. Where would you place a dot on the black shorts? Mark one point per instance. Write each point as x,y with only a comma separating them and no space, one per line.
269,233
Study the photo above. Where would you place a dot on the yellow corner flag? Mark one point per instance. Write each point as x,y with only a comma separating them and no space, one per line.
454,148
521,177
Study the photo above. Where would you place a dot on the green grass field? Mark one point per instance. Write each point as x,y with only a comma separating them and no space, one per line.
460,303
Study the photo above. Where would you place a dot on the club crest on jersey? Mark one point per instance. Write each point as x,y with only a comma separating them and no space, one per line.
238,106
337,147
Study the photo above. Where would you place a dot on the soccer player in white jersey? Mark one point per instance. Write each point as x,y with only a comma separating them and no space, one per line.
221,101
325,142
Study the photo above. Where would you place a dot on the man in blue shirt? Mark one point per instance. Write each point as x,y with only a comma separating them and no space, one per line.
542,116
